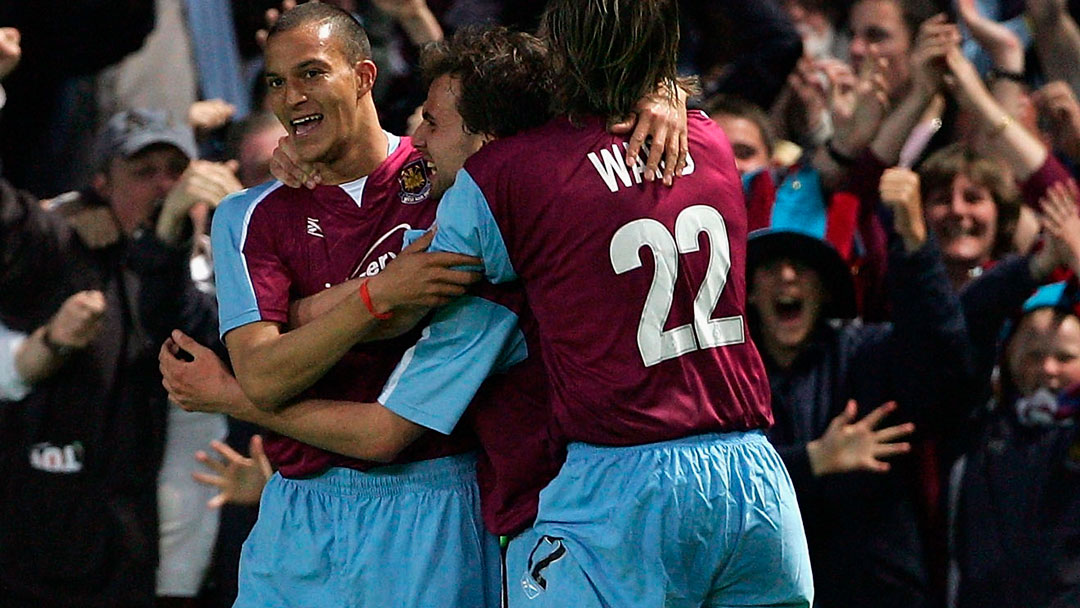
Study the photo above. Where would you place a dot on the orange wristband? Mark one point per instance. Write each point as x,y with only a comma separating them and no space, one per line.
366,297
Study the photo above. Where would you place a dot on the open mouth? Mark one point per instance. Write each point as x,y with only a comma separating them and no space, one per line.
788,308
305,124
431,168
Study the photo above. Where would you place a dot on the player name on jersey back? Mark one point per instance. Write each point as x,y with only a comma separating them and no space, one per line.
638,288
611,167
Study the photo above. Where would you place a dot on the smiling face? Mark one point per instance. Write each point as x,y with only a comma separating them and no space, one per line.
315,91
441,136
1045,351
964,220
788,296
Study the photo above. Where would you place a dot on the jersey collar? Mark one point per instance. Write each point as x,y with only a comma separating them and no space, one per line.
355,188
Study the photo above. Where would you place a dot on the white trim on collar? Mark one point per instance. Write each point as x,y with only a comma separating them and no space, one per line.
355,188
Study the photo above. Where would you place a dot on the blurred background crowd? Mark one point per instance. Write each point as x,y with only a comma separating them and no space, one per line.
908,167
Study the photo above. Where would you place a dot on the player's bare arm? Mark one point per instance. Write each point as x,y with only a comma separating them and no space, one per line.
273,365
239,479
286,166
361,430
414,282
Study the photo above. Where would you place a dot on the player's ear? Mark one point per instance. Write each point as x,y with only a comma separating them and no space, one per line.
365,76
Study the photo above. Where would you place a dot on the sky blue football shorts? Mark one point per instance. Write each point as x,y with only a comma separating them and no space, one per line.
402,536
710,520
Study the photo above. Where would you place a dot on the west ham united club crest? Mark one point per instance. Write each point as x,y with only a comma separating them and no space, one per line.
415,182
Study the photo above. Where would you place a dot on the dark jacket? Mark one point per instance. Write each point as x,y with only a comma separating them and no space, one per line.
82,531
863,528
1015,534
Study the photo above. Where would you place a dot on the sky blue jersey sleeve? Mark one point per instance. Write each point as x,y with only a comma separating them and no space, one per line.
438,377
465,225
12,386
237,304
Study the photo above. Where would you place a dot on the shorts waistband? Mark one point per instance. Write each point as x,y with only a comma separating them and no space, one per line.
443,473
732,438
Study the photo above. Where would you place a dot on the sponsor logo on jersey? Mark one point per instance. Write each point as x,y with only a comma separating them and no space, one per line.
415,182
370,265
313,227
57,459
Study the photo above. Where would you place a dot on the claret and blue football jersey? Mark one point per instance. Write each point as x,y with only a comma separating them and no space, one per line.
638,289
273,245
620,373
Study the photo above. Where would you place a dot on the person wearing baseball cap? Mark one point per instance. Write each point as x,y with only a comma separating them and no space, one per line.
130,131
91,441
146,171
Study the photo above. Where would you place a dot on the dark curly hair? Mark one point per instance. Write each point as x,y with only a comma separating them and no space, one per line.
505,78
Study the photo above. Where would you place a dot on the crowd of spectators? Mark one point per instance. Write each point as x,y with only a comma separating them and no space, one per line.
908,167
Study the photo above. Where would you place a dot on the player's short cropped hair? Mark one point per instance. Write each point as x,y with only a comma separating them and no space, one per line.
727,105
608,54
505,78
937,173
345,27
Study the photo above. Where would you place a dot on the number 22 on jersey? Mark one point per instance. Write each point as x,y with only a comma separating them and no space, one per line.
655,343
